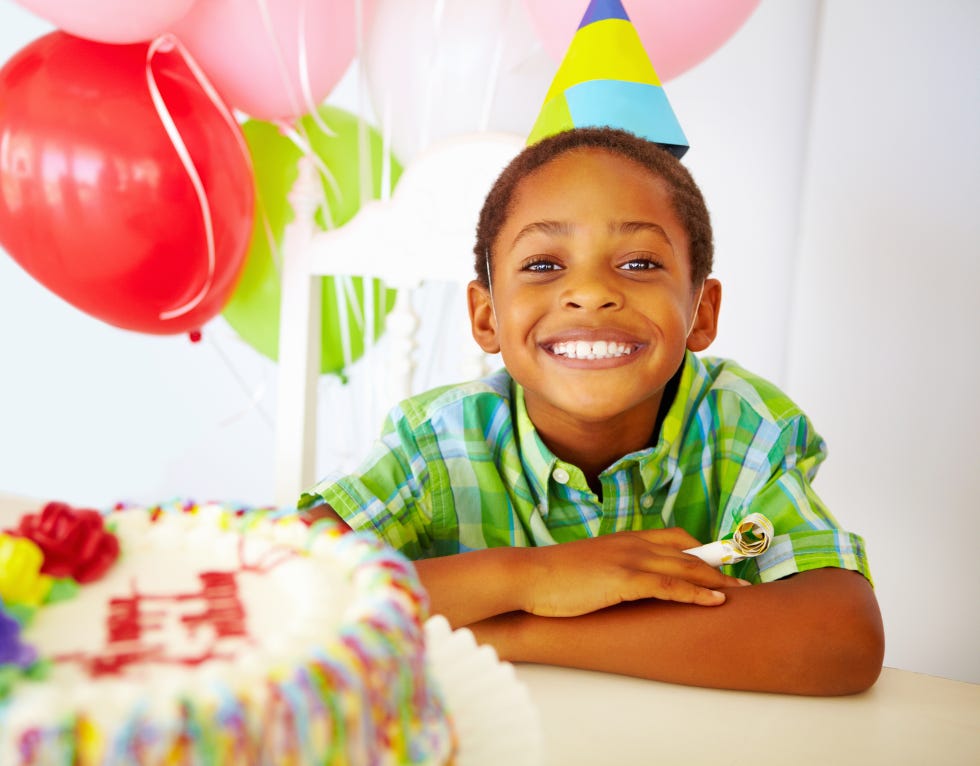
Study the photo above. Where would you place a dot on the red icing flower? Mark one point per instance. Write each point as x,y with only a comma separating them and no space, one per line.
74,541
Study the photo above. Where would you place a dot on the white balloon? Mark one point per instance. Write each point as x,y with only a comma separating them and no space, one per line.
439,68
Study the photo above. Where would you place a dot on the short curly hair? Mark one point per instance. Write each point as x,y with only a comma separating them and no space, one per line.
685,195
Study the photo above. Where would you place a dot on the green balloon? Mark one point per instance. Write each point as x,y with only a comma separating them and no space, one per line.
253,311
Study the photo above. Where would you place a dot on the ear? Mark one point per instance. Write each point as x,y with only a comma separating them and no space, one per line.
706,322
483,320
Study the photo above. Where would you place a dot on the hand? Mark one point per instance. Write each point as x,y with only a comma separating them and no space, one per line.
312,515
583,576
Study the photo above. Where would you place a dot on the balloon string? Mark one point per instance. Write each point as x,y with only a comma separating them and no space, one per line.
270,237
386,174
212,93
350,295
494,75
367,313
302,142
255,396
166,43
365,318
365,171
302,63
435,56
277,53
304,74
341,285
438,10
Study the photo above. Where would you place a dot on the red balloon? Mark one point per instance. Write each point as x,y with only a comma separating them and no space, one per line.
104,205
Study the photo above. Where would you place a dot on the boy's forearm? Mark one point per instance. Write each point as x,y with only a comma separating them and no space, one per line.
470,587
815,633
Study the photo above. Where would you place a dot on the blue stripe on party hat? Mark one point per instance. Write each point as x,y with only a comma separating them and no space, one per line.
601,10
607,80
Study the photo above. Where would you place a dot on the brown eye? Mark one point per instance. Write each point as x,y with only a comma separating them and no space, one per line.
540,266
641,264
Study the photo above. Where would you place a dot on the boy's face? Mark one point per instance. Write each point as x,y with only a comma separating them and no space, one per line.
592,301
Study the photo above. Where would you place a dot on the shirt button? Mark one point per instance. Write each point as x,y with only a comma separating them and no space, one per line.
560,475
646,501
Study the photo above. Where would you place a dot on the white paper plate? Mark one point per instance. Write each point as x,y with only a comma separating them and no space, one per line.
496,721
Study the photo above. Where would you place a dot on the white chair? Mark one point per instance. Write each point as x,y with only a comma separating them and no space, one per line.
424,233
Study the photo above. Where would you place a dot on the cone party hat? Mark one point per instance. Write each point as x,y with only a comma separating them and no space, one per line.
607,80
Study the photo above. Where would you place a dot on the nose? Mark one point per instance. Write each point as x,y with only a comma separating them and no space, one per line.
592,292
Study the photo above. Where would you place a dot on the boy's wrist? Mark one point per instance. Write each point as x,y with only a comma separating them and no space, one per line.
513,572
477,585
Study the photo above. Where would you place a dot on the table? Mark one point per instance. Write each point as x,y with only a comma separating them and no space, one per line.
595,719
598,719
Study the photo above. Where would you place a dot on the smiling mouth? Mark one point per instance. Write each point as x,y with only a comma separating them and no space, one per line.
600,349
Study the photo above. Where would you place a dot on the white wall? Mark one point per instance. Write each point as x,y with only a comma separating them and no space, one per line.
885,341
793,124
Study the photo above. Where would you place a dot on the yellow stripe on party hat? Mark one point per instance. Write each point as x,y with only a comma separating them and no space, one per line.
607,80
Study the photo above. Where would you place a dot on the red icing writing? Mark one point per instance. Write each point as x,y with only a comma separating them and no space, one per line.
216,624
223,609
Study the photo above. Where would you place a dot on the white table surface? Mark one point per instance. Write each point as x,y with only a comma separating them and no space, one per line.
597,719
905,718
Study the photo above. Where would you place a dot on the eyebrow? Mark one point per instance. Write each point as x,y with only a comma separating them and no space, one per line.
630,227
565,228
553,228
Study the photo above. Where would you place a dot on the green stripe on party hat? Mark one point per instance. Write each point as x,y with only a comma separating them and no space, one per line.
607,80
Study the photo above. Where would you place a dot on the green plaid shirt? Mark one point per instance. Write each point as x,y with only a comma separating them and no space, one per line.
462,468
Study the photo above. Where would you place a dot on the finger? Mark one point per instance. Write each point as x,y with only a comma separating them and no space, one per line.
669,561
673,537
668,588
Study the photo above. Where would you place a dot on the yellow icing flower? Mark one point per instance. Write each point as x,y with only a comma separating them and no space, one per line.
21,581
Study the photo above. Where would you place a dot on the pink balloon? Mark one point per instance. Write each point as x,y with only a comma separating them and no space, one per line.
677,35
110,21
274,59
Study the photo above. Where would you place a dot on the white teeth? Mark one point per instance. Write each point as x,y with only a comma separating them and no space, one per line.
601,349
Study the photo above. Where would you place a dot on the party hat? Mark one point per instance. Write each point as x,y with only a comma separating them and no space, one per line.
607,79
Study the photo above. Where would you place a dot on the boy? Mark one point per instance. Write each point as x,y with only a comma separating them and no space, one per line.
548,505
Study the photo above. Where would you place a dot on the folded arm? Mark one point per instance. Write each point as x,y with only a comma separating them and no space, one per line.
815,633
633,603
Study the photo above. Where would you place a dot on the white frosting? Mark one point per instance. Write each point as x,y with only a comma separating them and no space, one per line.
287,605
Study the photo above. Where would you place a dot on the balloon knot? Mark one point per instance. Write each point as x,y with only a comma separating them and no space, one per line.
166,42
195,336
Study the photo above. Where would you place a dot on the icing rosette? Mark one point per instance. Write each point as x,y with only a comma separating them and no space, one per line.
74,541
13,651
21,582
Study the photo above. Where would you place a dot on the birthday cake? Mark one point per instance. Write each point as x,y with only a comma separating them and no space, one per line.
186,635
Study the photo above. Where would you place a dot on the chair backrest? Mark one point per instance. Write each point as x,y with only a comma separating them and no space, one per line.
422,235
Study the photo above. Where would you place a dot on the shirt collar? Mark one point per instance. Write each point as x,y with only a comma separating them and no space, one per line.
690,390
661,460
537,459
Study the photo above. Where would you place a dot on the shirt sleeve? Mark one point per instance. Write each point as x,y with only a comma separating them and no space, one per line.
807,536
388,494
